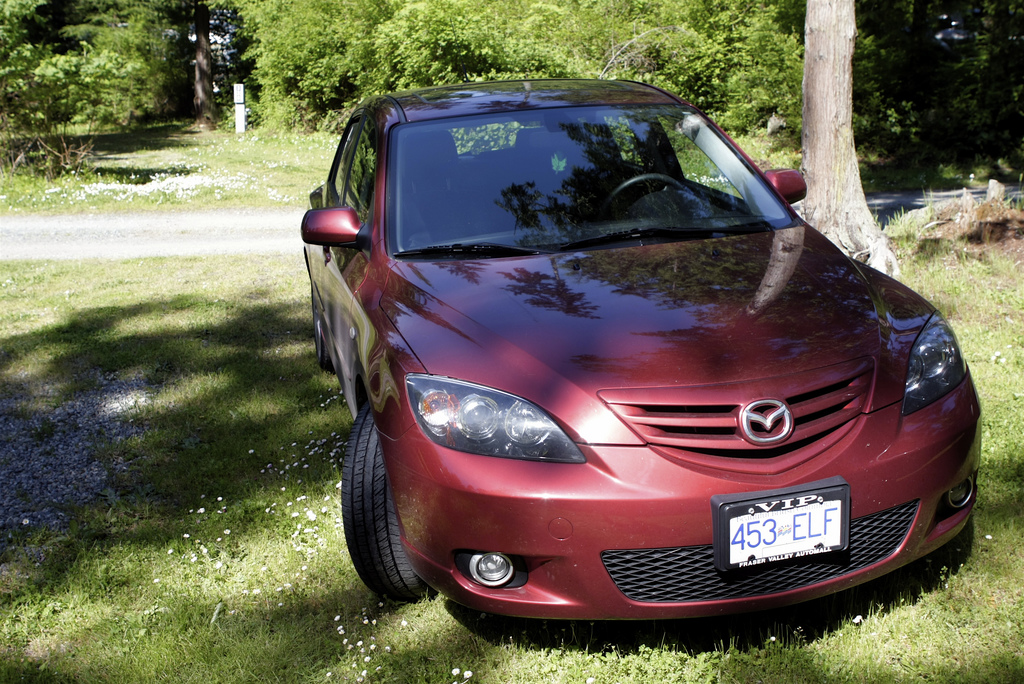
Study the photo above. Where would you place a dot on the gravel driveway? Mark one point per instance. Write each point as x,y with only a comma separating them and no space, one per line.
47,466
126,236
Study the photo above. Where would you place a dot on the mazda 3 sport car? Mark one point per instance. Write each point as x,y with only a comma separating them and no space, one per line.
600,368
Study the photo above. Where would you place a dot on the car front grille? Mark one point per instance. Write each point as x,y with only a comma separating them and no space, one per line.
681,422
686,574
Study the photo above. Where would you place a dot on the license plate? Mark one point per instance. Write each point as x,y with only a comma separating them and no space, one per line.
756,529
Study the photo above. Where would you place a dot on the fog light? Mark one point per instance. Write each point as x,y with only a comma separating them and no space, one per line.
491,569
958,496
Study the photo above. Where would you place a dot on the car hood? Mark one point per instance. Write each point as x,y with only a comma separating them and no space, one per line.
557,329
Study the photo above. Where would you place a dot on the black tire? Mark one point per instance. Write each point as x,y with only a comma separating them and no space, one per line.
368,513
320,341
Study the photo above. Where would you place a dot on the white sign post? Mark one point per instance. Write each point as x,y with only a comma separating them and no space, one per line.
240,117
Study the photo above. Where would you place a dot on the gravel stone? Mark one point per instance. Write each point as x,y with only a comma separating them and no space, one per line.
47,456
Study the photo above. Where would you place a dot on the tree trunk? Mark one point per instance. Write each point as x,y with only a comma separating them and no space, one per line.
835,202
203,99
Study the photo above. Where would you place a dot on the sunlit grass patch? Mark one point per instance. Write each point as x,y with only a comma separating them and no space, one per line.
179,168
771,152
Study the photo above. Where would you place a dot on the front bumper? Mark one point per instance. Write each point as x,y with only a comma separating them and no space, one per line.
629,533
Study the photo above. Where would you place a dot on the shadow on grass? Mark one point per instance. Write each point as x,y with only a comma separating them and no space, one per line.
113,154
112,146
237,387
231,381
232,386
134,175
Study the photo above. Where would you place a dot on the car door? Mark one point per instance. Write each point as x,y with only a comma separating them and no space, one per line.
352,184
325,297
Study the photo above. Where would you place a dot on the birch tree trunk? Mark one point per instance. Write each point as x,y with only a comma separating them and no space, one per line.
835,202
203,99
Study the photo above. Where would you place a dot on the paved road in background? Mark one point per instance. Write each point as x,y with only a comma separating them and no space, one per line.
126,236
234,231
886,204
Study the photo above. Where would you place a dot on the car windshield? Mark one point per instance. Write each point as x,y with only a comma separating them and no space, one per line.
569,178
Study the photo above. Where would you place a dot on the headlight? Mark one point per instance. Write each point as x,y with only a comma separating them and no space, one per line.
936,365
481,420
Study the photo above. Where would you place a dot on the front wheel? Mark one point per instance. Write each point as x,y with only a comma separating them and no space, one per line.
368,514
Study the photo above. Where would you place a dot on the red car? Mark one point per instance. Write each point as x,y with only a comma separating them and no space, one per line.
601,369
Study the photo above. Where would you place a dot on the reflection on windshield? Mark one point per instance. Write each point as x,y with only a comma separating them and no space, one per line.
653,307
787,246
546,178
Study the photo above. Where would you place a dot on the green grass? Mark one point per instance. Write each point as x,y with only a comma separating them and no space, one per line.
245,434
177,167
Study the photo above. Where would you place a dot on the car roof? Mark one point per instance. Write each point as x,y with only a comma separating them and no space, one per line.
500,96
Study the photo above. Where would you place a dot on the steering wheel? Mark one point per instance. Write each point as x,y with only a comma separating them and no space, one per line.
642,178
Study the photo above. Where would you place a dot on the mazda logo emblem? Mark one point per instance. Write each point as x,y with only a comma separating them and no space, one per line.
766,421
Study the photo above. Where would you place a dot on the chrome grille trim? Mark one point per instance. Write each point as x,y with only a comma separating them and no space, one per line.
706,419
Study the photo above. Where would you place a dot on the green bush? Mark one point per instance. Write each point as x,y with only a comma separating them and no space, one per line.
59,83
448,41
921,100
301,76
739,64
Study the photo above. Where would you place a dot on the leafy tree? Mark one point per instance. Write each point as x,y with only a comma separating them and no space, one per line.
75,65
447,41
922,96
301,76
152,36
739,61
44,92
18,58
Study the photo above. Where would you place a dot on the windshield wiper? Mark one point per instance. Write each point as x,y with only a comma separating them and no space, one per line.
639,234
673,232
485,249
752,226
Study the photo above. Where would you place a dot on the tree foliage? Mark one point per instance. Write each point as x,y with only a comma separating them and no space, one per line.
43,92
86,63
300,76
741,60
736,58
940,79
150,35
103,63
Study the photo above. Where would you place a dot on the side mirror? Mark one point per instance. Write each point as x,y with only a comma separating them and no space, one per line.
790,184
333,227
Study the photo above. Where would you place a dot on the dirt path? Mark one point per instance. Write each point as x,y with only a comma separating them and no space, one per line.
125,236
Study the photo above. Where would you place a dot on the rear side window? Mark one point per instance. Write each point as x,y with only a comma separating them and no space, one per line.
342,160
361,177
